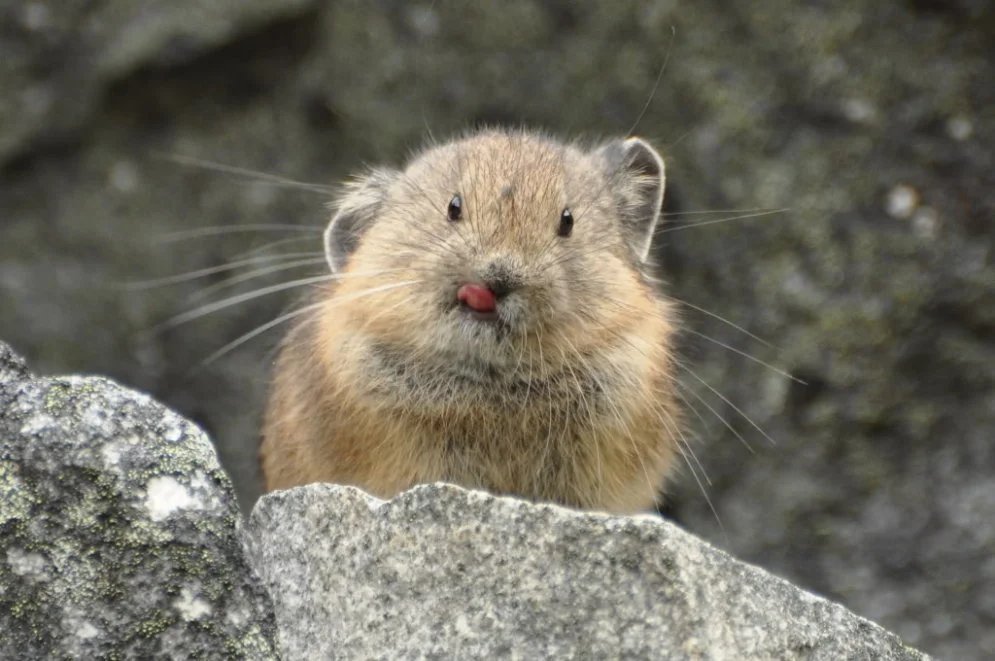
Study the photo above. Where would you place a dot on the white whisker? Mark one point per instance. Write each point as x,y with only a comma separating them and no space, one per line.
235,300
726,400
672,214
211,270
745,355
242,339
272,244
247,173
200,294
677,228
722,319
721,419
215,230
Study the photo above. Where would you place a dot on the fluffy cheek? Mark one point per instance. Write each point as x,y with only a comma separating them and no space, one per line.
597,302
394,314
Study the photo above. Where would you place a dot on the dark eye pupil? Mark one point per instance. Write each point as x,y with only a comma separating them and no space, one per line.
455,211
566,223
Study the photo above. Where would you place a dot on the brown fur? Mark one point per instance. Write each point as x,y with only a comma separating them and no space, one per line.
569,399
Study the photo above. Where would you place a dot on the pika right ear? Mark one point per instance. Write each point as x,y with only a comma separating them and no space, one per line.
356,209
637,176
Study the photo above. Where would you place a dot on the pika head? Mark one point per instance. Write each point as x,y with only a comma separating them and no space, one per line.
483,245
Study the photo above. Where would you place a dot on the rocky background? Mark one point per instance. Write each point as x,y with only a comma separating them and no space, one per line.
871,121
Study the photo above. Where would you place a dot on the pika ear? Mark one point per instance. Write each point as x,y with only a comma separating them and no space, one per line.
356,209
636,176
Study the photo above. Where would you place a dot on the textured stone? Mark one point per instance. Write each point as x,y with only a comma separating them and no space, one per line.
441,572
118,529
12,366
108,39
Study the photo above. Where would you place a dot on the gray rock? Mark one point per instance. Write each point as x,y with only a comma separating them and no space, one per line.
109,39
118,529
12,366
441,572
119,537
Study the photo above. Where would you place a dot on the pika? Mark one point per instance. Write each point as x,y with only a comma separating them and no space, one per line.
490,321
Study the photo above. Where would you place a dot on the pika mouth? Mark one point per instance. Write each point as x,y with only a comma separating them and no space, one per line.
484,330
491,316
479,309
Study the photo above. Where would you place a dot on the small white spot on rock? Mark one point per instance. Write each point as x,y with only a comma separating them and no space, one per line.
902,201
87,631
165,495
237,617
960,127
97,418
925,223
463,627
199,482
808,597
35,16
111,454
29,565
859,110
191,606
123,176
37,423
173,433
424,20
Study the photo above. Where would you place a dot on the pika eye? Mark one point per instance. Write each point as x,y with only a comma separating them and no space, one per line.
455,210
566,223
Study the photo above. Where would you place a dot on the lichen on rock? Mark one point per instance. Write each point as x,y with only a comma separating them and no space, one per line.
119,532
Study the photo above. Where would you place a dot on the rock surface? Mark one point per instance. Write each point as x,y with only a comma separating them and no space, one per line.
871,121
119,538
440,572
118,529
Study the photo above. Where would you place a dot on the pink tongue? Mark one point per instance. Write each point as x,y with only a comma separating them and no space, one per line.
477,297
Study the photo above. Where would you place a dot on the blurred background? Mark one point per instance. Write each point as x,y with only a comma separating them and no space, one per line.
871,121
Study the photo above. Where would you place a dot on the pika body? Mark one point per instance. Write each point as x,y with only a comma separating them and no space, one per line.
490,320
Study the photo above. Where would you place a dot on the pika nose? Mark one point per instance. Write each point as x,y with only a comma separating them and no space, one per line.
500,279
501,286
482,294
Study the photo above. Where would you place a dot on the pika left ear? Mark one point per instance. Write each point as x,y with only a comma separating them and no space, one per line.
636,177
356,210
